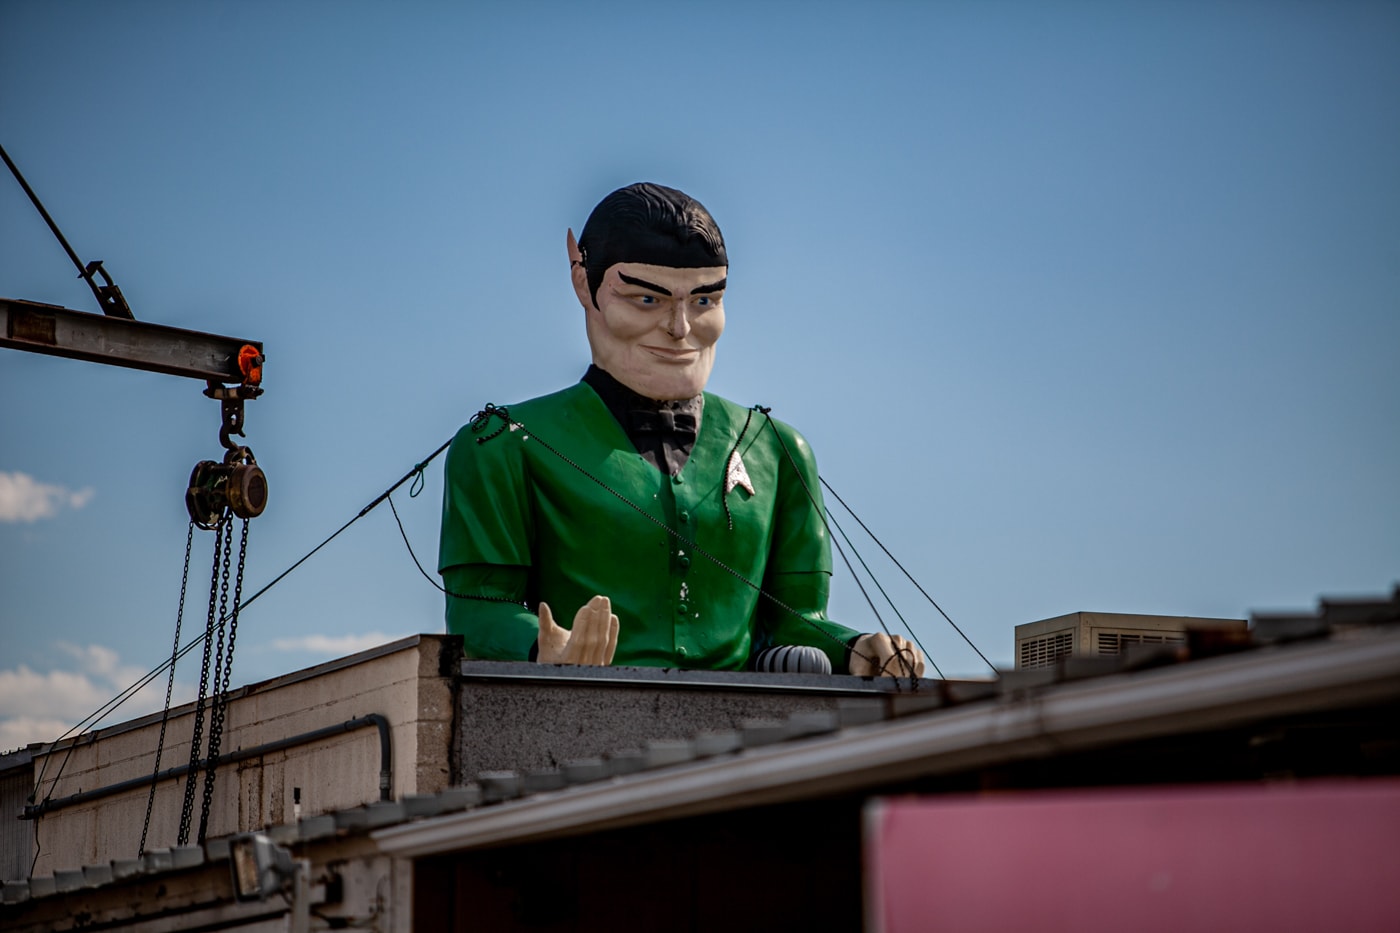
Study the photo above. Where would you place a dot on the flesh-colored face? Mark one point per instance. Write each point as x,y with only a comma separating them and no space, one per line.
654,327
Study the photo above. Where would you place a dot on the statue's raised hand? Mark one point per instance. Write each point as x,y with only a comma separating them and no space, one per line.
593,639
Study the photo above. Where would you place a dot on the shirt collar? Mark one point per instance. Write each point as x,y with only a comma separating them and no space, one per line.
622,401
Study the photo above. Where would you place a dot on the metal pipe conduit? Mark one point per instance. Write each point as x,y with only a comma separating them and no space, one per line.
386,765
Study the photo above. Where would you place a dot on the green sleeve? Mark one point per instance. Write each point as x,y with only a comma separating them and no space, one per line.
486,544
799,563
487,515
495,625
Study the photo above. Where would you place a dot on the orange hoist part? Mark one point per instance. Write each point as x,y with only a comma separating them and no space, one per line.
250,363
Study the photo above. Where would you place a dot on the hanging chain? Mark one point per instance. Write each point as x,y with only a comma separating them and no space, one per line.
218,700
169,686
221,681
237,598
196,740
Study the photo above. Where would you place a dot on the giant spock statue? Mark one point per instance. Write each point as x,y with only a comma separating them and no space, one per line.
681,529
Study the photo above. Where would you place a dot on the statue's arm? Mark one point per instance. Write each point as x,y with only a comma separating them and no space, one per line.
486,556
486,545
485,605
799,576
805,593
798,573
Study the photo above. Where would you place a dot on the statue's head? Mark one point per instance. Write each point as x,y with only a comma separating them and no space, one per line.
649,271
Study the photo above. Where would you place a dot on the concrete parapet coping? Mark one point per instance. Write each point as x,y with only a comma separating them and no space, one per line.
667,677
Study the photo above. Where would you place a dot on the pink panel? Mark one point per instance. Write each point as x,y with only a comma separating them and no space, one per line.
1286,857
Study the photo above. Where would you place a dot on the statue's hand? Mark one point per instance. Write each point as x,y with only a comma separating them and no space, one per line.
891,655
593,639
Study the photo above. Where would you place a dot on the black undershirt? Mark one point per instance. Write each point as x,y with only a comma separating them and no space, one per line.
659,430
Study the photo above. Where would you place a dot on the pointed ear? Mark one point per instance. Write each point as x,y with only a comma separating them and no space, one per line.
578,274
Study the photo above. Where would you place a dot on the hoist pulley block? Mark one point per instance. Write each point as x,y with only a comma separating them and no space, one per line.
237,485
218,488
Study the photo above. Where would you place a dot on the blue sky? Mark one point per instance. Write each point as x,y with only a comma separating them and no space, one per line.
1082,306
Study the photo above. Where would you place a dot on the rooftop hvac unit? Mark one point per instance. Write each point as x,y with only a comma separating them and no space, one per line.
1096,634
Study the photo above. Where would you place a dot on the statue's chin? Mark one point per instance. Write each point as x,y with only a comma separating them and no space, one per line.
658,379
664,386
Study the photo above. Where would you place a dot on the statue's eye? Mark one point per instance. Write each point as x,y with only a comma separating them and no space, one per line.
647,299
703,301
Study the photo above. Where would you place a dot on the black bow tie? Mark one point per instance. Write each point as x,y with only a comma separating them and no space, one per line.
665,421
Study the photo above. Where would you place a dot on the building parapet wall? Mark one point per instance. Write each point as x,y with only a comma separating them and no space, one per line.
533,717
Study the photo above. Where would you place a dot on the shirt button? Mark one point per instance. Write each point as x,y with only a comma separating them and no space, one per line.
683,561
677,479
684,516
682,608
681,651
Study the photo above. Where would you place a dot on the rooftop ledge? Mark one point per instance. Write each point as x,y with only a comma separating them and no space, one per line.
674,678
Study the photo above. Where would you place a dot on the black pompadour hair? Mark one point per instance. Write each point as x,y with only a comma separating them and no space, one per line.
651,224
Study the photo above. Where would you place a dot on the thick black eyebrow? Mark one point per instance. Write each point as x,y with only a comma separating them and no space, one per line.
712,287
643,283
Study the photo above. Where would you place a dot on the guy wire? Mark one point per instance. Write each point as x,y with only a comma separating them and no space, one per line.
821,514
909,575
873,579
442,589
106,709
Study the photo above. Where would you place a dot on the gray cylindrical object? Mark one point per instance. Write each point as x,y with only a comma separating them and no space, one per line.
792,659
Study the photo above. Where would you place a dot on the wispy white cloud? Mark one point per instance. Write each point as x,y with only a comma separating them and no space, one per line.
25,499
25,692
39,706
25,730
335,645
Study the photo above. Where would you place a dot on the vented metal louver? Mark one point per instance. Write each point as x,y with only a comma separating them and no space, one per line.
1104,634
1046,650
1113,642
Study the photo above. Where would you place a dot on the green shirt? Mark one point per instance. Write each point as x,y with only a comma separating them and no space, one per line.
521,523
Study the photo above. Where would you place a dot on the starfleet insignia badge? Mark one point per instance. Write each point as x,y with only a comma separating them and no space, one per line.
736,475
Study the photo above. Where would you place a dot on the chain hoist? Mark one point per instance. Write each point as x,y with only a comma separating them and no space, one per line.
218,492
237,485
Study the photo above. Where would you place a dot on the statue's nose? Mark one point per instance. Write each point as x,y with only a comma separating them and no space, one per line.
678,325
